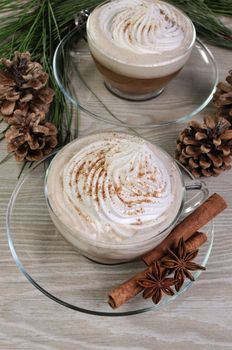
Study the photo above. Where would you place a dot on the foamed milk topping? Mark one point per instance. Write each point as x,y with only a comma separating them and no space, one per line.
139,32
113,189
144,28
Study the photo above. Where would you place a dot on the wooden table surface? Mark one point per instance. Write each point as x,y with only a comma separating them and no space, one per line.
200,319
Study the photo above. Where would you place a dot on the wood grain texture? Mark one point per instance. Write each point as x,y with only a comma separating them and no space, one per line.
200,319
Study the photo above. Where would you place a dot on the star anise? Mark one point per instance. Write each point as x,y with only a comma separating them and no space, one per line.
180,262
156,283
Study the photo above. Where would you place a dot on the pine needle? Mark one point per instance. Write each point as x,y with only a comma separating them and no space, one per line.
222,7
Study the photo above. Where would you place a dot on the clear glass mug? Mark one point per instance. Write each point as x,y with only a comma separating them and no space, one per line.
131,248
134,75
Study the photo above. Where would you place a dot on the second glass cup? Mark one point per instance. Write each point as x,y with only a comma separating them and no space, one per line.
139,46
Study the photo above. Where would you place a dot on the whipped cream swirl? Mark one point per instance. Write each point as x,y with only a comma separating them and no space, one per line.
143,26
116,187
140,38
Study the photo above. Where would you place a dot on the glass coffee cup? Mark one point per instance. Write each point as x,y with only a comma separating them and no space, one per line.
139,46
104,226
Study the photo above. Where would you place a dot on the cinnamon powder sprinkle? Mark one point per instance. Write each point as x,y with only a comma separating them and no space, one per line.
141,174
126,26
138,201
138,222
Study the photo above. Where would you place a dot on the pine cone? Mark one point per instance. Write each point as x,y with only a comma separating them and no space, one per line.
206,149
30,138
22,86
222,98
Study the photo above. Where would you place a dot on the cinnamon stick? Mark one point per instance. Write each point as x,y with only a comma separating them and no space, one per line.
130,288
192,223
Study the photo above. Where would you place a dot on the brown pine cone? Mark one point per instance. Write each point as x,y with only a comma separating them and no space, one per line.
222,98
30,138
205,149
22,86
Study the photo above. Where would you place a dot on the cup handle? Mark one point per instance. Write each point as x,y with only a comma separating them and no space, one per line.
200,197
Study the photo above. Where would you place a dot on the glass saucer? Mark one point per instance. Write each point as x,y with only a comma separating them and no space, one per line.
57,269
82,84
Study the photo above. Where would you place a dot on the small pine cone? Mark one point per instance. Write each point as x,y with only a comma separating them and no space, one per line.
206,149
23,85
222,98
30,138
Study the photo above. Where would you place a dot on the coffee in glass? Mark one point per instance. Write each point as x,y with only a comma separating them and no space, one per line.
139,45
